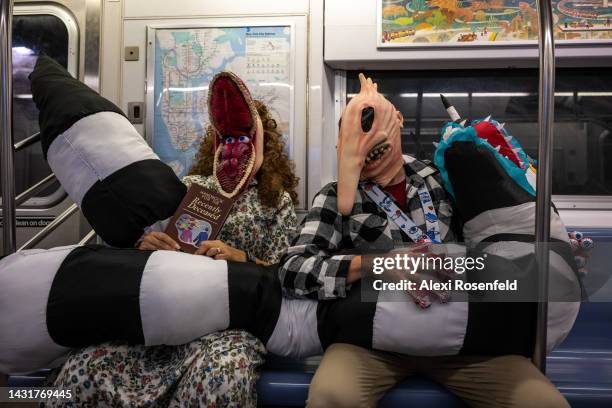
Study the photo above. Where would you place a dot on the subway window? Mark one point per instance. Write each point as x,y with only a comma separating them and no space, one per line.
582,160
33,34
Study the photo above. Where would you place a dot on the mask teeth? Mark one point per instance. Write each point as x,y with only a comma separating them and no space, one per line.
508,139
497,148
488,119
436,144
463,122
501,126
376,153
248,170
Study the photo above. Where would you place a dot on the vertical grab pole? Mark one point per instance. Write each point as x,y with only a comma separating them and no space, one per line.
7,169
546,113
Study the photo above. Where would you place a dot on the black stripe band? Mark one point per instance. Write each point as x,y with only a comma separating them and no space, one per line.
465,159
132,198
95,297
255,298
62,100
348,320
499,328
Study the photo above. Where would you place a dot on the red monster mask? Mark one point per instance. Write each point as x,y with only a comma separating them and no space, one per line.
235,121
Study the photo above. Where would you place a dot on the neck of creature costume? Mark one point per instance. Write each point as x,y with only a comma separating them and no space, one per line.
398,178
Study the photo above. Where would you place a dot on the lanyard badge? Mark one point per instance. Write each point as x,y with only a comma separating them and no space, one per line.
394,213
405,223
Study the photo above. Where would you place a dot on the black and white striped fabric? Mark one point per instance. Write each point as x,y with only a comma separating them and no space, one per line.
101,161
58,299
54,300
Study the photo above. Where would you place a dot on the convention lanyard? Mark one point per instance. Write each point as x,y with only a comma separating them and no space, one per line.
395,214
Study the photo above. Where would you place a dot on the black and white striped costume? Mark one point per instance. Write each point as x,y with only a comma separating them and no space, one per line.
54,300
102,162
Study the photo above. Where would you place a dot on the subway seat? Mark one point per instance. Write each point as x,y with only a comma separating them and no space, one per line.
581,367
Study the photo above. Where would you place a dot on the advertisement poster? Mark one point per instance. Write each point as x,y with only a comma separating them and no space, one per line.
403,23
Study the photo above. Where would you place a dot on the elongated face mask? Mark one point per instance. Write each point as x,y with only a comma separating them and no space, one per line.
238,133
369,144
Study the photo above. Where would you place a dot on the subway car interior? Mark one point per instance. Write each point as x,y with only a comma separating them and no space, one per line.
155,60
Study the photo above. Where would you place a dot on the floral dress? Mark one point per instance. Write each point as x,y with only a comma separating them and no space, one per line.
216,370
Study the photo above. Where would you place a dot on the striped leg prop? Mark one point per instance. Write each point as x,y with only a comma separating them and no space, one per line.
54,300
69,297
101,161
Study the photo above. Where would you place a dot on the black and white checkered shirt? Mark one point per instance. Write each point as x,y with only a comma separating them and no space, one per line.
317,262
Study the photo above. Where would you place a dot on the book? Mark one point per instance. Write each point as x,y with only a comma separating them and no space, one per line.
198,218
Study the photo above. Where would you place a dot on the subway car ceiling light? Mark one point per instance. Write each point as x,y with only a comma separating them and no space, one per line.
490,94
205,88
186,89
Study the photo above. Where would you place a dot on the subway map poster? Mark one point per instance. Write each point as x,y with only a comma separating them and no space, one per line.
184,61
487,22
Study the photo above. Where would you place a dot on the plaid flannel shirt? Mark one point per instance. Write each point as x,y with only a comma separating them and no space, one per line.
317,262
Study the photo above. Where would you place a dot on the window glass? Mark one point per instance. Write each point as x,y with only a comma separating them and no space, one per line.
31,35
582,162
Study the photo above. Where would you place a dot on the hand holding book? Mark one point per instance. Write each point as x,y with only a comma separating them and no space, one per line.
216,249
220,250
199,218
154,240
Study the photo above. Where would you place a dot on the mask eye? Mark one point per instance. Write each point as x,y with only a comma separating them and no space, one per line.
229,139
244,139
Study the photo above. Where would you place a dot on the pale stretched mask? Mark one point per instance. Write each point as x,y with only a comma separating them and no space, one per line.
238,130
369,145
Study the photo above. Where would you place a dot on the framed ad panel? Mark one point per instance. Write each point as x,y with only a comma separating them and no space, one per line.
268,54
486,23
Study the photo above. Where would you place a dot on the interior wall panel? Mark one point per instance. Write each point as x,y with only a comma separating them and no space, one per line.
186,8
350,43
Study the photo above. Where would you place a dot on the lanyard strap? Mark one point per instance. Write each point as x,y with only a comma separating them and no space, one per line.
405,223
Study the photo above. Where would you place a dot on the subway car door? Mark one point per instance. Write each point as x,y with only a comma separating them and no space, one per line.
59,29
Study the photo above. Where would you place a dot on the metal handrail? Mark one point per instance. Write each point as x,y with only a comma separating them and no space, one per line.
546,110
28,141
35,189
7,169
35,240
87,237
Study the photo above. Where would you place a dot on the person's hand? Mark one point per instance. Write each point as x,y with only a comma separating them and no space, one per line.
423,298
356,144
354,272
152,241
220,250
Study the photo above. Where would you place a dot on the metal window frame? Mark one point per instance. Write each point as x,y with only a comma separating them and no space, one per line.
70,22
55,10
562,201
